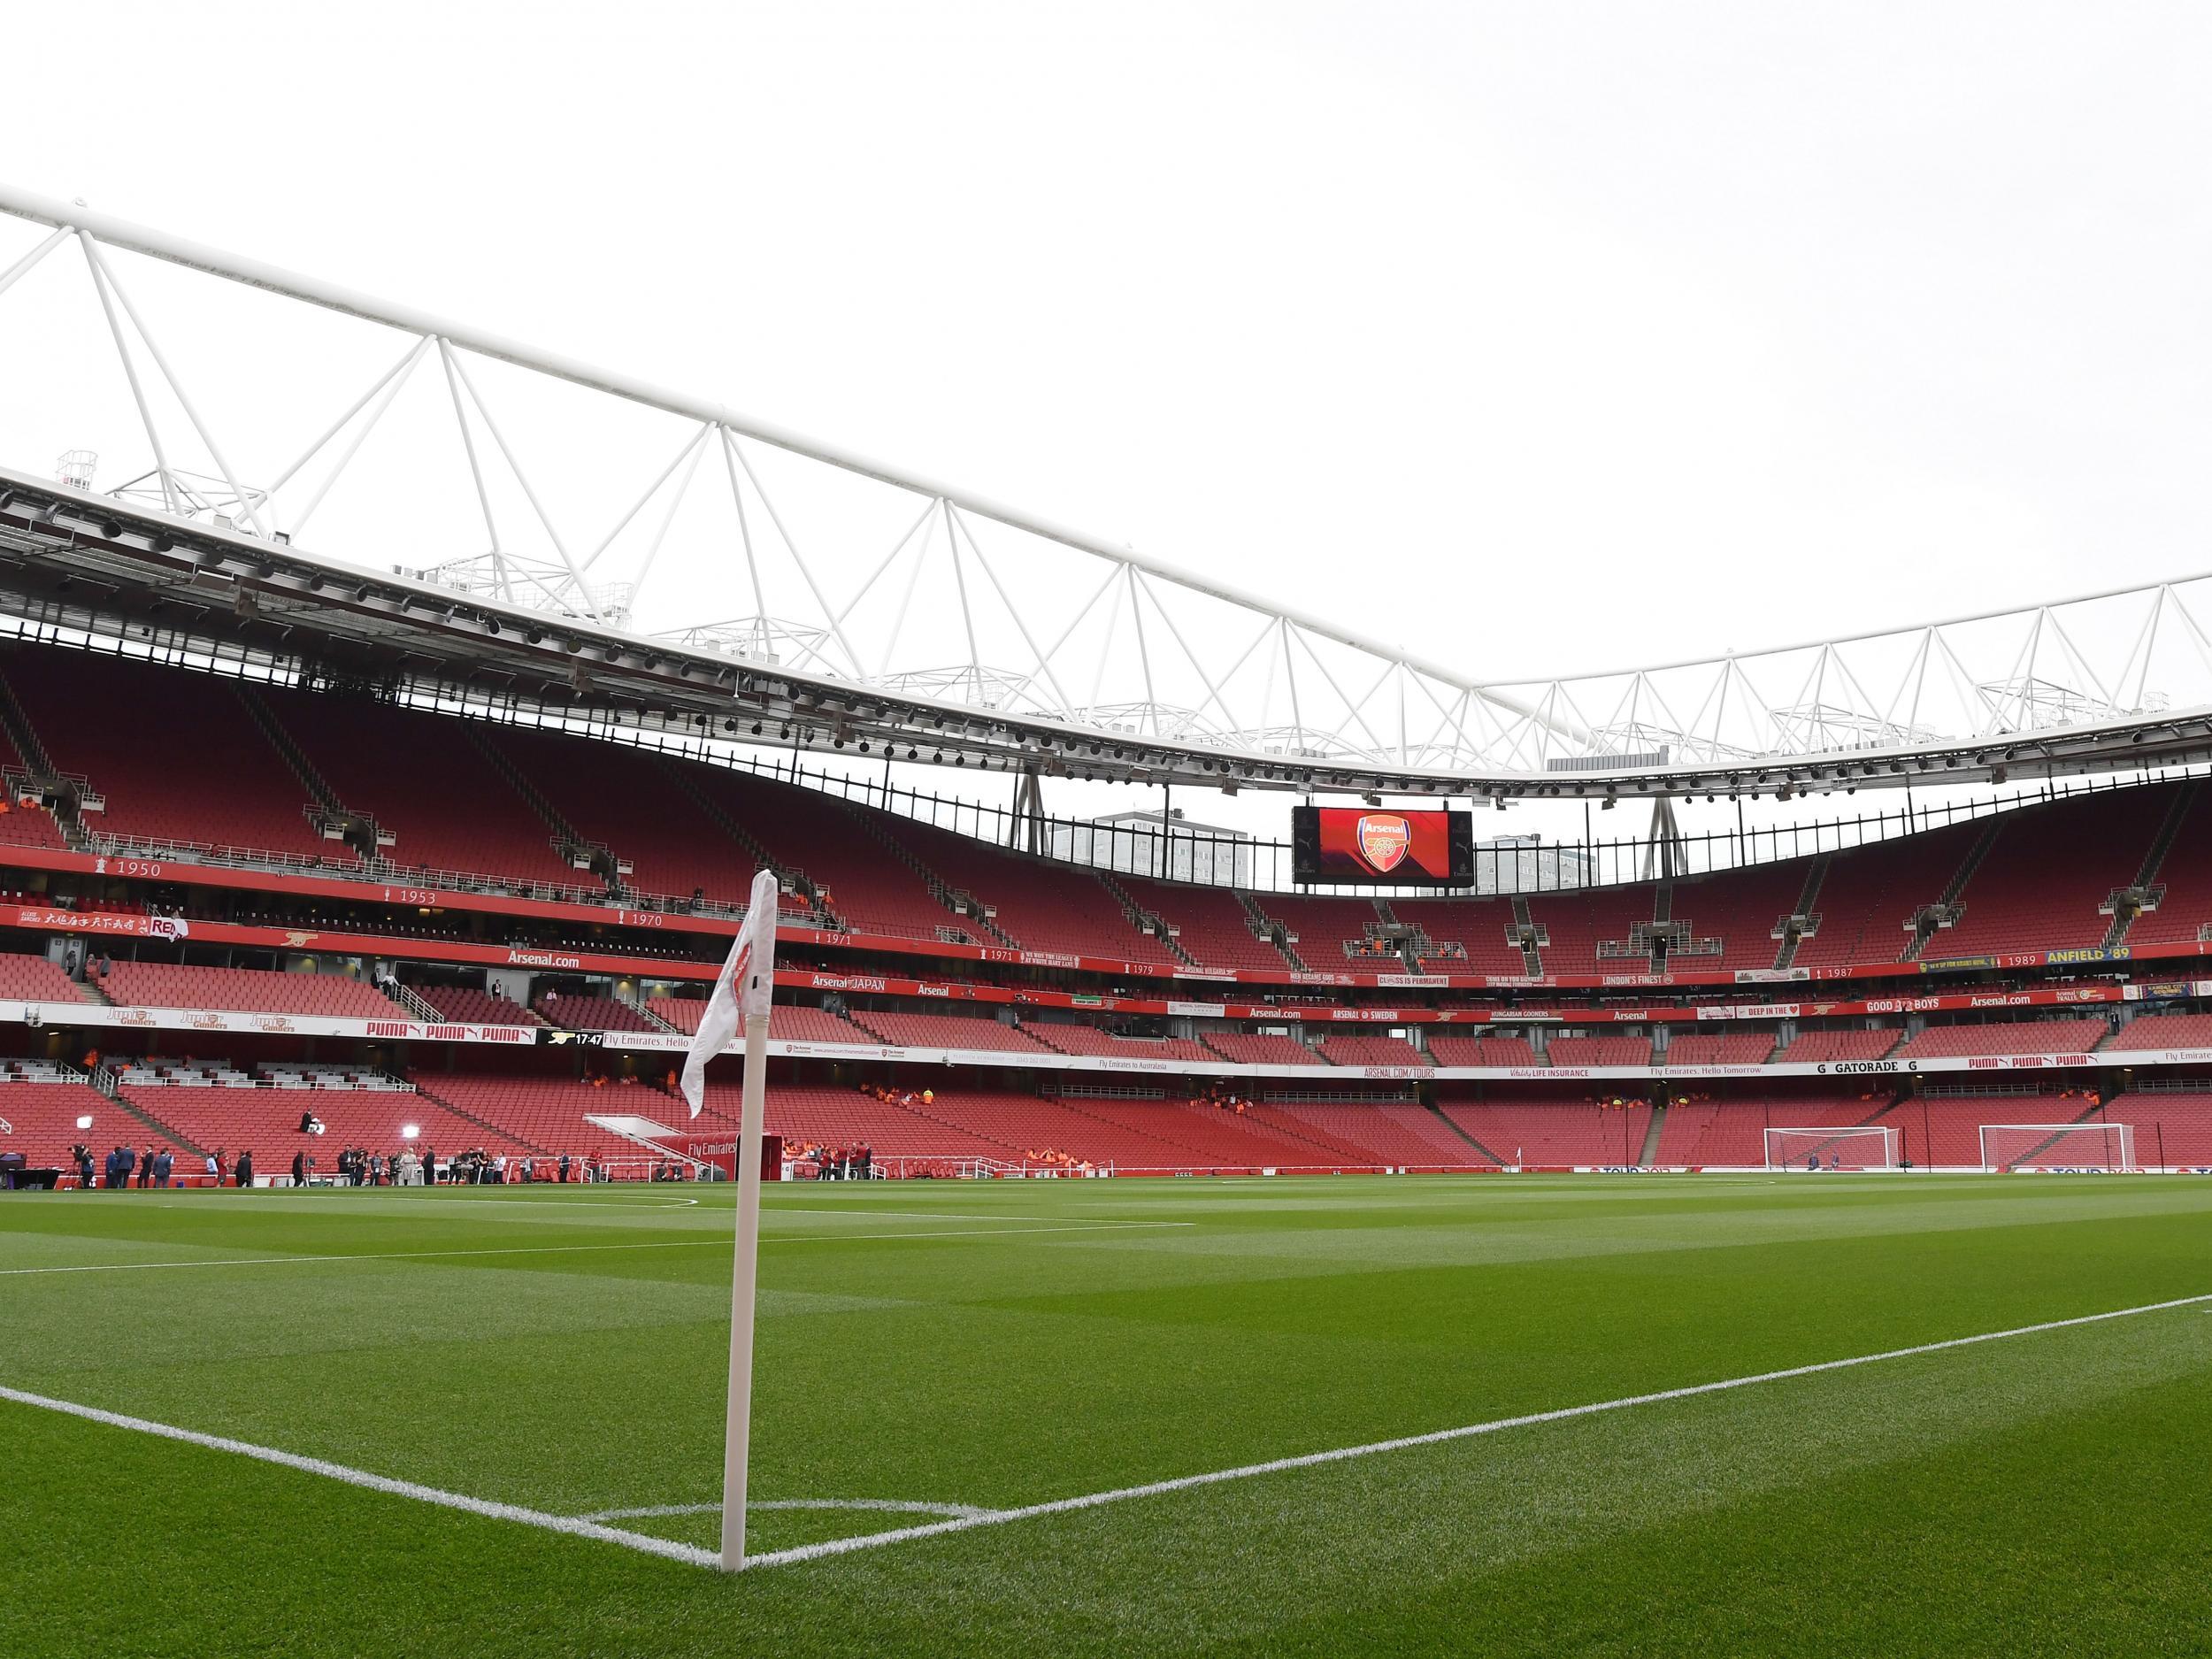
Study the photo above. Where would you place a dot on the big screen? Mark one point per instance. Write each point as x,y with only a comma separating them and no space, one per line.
1425,849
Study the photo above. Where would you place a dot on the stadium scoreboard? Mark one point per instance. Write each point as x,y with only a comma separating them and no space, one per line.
1423,848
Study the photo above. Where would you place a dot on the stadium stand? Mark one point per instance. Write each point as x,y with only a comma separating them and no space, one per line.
1614,1051
578,1012
1216,929
1820,1047
176,756
1731,1047
1478,925
27,979
545,1114
1037,905
2173,1128
1554,1131
267,1122
41,1108
424,781
1869,895
1366,1048
944,1031
467,1005
630,802
1250,1048
1577,924
1070,1037
2043,1036
1328,933
2163,1031
1463,1050
1391,1135
245,990
1740,909
25,823
2183,879
832,846
2039,885
912,1124
788,1021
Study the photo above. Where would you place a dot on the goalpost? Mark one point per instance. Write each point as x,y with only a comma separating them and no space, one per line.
1842,1147
2083,1146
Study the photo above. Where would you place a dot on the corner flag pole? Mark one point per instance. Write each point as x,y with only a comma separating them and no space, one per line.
737,1431
743,990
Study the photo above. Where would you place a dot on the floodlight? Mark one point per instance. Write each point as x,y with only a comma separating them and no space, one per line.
409,1132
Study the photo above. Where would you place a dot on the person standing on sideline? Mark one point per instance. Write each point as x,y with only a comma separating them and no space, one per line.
299,1169
165,1162
245,1167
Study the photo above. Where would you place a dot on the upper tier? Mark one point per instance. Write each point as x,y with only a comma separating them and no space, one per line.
182,759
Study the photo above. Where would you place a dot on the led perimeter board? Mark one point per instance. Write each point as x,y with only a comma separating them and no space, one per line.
1416,849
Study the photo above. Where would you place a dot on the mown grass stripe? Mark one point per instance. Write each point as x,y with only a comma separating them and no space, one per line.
578,1527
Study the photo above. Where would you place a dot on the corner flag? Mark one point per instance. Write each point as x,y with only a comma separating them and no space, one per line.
745,987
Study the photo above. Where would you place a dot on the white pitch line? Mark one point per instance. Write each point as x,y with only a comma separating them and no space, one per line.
893,1505
1091,1501
578,1527
577,1249
575,1526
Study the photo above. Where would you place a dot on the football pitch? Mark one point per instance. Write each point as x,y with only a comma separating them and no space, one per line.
489,1421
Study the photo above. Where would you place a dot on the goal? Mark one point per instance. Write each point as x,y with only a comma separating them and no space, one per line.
1840,1146
2088,1146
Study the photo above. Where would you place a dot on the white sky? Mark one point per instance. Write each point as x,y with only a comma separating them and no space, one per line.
1534,337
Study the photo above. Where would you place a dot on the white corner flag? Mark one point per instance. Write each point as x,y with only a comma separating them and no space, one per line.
743,990
744,987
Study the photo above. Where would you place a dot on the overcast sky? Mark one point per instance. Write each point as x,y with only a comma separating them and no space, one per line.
1533,337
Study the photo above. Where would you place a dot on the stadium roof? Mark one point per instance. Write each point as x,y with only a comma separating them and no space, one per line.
1069,653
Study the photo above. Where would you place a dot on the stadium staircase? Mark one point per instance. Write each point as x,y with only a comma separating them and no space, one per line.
574,850
109,1086
2145,893
1432,1108
1803,920
1530,936
413,1004
42,770
966,906
491,1128
1650,1156
1274,933
328,812
1144,920
1929,920
788,878
2049,1141
629,997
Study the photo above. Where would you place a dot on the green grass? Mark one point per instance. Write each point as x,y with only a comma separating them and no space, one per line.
1001,1345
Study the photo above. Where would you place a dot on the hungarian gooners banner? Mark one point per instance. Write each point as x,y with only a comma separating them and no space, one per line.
743,988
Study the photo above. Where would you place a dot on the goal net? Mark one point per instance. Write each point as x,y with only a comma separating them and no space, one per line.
1842,1147
2090,1146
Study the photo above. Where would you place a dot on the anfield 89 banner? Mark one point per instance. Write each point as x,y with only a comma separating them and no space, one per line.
1425,849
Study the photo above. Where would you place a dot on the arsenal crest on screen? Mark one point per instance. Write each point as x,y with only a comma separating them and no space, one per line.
1384,838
